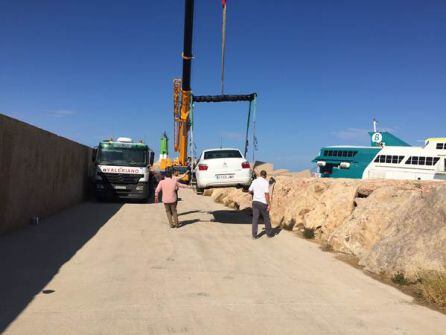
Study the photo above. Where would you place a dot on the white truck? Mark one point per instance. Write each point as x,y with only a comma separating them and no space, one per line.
122,169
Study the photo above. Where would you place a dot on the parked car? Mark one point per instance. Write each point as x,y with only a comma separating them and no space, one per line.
222,168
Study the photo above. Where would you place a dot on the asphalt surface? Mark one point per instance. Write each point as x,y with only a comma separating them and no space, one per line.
119,269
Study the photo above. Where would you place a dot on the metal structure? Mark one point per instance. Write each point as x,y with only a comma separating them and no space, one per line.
184,99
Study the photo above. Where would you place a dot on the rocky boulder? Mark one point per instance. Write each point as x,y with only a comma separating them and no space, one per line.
390,226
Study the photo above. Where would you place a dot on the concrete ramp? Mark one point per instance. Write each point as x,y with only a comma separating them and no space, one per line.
135,275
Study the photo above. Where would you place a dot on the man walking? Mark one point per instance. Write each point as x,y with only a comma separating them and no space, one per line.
261,204
169,187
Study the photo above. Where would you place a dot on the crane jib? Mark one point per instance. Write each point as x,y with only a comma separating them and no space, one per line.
224,97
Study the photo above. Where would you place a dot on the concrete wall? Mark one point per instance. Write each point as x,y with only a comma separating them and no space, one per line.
40,173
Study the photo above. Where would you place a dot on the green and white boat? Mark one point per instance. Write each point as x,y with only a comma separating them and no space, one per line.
410,163
387,157
346,161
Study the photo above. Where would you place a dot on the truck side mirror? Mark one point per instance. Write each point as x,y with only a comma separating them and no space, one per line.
94,152
152,157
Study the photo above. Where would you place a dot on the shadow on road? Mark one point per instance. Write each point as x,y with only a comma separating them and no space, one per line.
188,222
189,212
29,258
232,217
274,231
240,217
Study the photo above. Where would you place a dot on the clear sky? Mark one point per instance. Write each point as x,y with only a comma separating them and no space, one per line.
93,69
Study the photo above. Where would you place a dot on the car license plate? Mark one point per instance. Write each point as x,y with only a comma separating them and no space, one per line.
224,176
119,187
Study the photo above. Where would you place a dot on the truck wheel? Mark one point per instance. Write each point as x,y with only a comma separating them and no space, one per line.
199,191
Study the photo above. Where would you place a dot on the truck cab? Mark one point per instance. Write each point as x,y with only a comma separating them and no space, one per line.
123,169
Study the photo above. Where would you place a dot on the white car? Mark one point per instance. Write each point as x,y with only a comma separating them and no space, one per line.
222,168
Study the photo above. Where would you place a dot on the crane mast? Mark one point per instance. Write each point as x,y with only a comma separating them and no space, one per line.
183,93
183,97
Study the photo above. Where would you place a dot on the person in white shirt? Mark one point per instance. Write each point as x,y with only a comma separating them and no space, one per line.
261,204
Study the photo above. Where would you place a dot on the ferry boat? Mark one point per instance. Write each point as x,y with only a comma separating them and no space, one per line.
414,163
387,157
345,161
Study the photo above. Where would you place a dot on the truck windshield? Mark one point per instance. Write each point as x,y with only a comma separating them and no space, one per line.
122,156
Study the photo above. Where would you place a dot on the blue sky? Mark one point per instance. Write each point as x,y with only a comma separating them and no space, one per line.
322,70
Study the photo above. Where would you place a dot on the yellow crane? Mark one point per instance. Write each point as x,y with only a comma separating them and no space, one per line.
183,97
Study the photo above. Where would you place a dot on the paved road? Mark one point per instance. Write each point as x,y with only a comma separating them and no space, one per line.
118,269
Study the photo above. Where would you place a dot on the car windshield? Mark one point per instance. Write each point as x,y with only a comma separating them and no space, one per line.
122,156
222,154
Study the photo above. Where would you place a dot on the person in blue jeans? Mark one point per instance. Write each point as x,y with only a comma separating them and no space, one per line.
261,204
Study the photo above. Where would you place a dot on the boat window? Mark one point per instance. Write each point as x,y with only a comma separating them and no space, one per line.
429,161
440,145
391,159
339,153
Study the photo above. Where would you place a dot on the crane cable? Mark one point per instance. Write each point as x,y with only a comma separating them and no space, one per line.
251,110
254,136
223,46
252,103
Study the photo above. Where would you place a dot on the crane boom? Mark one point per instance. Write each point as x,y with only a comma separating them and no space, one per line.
183,97
182,118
